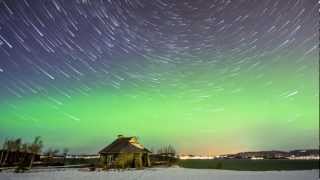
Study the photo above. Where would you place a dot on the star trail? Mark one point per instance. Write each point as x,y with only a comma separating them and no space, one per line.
209,76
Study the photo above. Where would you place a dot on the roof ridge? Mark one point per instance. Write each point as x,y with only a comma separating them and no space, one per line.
124,144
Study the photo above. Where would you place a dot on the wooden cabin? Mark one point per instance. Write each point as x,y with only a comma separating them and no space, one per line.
125,152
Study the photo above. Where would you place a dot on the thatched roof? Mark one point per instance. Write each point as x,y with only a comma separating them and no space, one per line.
124,145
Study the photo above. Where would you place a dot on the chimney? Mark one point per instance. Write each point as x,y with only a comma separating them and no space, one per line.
120,136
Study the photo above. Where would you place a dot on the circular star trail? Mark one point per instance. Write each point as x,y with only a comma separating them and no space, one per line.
181,72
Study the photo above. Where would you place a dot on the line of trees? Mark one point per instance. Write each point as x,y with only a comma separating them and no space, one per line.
51,153
165,155
167,150
16,146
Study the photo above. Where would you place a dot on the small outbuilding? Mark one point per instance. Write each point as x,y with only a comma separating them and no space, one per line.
125,152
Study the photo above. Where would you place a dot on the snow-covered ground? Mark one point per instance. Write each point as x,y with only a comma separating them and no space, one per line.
162,174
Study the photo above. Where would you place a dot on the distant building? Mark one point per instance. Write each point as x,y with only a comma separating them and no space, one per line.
125,152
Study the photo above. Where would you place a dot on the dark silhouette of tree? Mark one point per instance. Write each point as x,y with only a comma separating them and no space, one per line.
50,153
25,150
35,148
65,153
8,144
16,147
167,150
4,152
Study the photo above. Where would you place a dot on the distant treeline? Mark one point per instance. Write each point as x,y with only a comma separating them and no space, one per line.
250,165
15,152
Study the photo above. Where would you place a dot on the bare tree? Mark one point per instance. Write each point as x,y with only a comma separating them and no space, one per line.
171,150
65,153
25,150
3,150
153,151
16,147
8,147
167,150
51,152
35,148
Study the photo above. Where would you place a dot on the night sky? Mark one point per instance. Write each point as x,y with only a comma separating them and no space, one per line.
208,76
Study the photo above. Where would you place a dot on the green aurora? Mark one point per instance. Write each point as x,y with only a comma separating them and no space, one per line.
276,109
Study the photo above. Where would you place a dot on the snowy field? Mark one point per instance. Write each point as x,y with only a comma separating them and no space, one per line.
162,174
